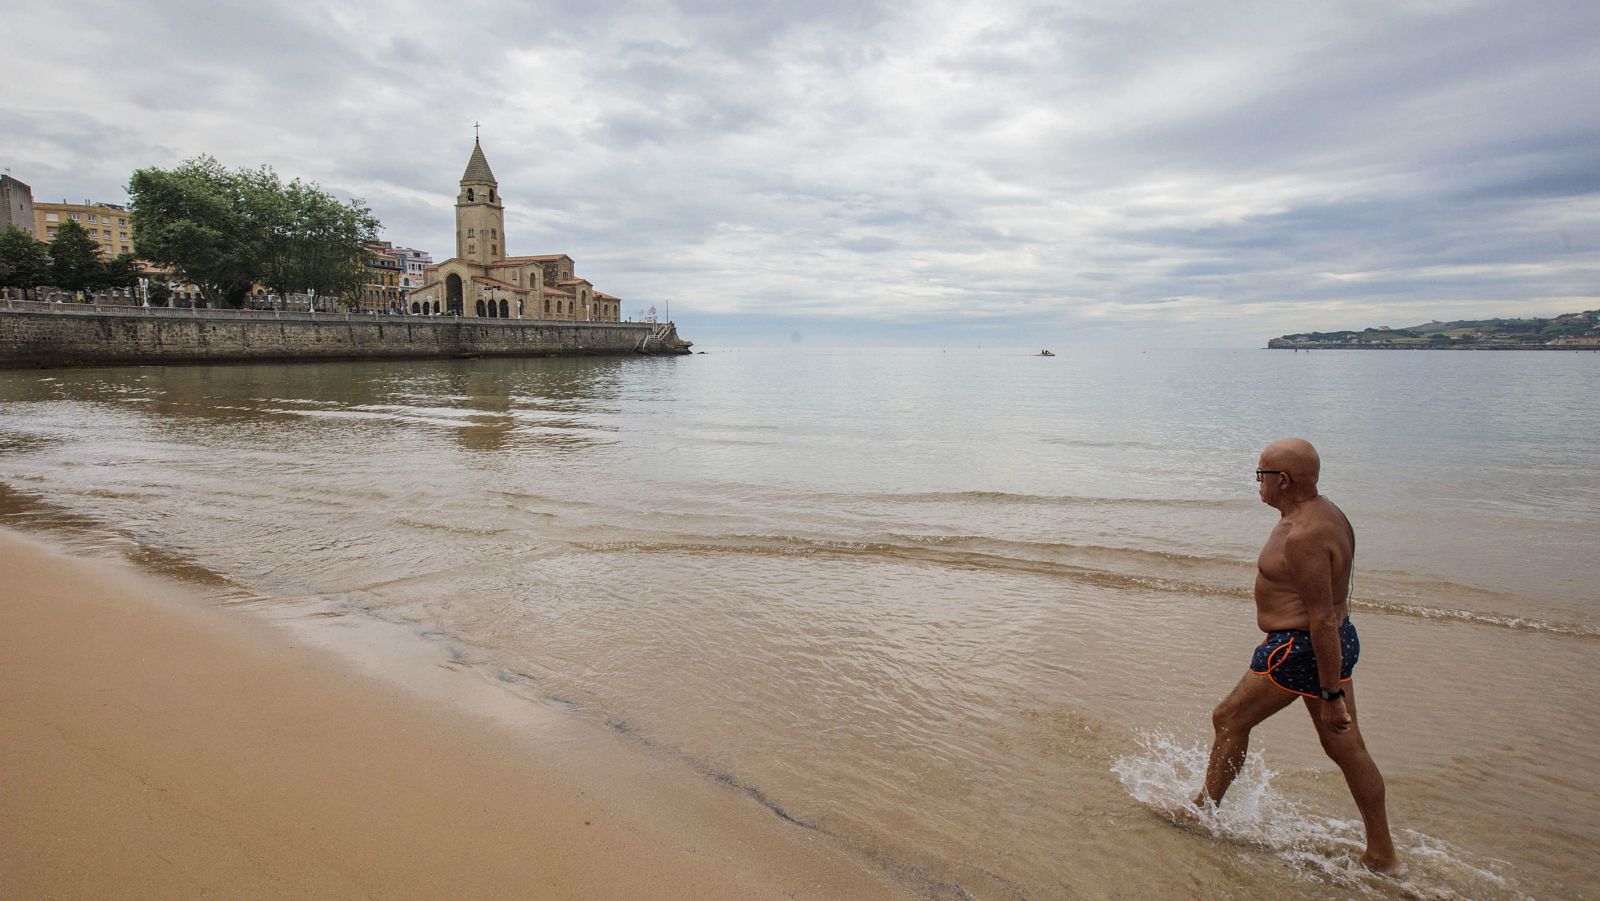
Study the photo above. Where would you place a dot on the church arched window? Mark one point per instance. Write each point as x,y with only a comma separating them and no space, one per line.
491,195
505,310
481,312
547,306
415,308
470,198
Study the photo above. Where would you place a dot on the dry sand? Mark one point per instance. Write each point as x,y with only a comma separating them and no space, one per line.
153,745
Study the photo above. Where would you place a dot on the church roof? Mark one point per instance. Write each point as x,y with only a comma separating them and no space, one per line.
478,168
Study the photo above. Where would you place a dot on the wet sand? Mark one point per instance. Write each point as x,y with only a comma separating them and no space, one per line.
153,745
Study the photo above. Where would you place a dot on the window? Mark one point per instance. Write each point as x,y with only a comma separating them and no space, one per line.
108,234
91,217
472,248
472,233
493,233
52,217
124,236
122,223
547,306
50,231
75,216
470,198
491,195
494,249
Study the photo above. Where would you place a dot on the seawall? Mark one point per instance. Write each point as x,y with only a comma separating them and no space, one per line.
49,335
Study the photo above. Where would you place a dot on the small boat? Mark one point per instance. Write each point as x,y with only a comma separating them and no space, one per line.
1046,353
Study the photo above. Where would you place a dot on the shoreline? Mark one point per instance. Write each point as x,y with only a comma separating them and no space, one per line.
1574,347
157,746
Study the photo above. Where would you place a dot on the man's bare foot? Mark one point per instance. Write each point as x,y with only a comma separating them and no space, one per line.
1183,813
1384,866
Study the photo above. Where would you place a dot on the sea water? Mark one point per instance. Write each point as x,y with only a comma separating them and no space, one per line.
962,611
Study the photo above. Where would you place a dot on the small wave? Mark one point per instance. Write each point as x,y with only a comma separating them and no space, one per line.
1098,565
795,546
446,527
1165,774
1049,500
1478,618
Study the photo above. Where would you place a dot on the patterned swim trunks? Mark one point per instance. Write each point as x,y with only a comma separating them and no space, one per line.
1288,660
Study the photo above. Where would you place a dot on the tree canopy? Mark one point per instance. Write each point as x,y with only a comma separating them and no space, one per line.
24,260
224,230
74,259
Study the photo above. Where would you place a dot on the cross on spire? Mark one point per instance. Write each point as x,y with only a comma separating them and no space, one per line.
474,132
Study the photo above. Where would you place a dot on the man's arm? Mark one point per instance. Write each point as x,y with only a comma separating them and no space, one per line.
1309,551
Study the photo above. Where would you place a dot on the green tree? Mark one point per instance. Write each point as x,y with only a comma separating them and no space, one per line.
122,271
159,293
75,259
190,218
224,230
24,261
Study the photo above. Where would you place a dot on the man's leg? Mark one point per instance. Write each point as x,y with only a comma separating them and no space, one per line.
1349,751
1253,700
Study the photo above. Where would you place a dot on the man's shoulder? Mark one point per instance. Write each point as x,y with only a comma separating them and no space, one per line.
1313,528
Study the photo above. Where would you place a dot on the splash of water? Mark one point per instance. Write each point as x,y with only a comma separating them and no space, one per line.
1165,774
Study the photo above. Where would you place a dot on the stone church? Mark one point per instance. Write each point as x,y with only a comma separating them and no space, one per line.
482,281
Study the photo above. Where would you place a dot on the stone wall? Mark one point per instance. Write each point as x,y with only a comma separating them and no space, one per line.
41,335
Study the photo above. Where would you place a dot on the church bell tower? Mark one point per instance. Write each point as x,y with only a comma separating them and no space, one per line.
480,218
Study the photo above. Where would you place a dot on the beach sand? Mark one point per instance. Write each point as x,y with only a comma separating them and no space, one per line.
155,745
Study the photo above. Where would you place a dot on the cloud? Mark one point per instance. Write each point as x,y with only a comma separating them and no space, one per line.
1159,172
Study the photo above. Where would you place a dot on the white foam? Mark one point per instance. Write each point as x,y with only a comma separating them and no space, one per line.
1166,773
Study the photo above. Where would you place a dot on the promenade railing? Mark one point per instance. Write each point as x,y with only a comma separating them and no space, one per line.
134,310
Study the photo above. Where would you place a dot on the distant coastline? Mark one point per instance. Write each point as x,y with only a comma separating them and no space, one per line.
1569,331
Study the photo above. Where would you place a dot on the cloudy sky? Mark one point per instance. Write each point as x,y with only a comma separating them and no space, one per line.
936,172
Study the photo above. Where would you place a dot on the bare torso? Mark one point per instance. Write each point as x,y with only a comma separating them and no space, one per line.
1278,604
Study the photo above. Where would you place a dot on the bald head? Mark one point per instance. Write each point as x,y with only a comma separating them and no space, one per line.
1295,456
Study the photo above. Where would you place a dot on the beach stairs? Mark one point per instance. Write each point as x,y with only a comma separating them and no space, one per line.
663,339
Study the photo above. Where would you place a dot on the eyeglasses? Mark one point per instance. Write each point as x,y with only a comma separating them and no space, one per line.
1272,472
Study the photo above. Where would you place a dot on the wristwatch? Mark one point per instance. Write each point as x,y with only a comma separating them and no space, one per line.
1327,695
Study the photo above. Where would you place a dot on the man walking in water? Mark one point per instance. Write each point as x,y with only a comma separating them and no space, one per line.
1302,603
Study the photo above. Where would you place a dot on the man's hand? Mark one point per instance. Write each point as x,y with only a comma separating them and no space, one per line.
1336,716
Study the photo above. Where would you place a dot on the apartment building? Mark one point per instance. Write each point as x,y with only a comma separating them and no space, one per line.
108,223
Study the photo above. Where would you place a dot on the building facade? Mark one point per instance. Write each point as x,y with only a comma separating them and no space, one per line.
482,280
109,224
16,205
416,268
382,292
